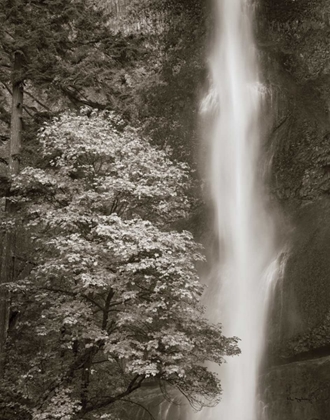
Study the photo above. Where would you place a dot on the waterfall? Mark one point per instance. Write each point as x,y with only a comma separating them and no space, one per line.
245,265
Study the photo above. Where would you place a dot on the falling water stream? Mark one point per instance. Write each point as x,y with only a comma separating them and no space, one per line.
245,265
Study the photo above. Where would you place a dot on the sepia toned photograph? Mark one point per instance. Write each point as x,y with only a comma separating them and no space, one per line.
164,210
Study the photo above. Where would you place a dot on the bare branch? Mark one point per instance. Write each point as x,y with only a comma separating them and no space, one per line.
93,301
140,405
27,111
7,87
74,294
37,100
133,386
106,309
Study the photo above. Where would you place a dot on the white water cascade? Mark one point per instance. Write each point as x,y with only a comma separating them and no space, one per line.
245,265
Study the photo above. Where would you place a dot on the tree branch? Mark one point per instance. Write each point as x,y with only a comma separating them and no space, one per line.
65,292
26,261
74,98
28,112
7,87
107,309
100,361
74,294
93,301
68,376
11,93
139,405
133,386
37,100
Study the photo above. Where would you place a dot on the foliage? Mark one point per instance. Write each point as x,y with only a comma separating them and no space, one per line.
171,104
113,298
160,89
296,33
72,51
145,60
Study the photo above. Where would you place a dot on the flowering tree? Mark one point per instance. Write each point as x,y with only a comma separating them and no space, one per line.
113,297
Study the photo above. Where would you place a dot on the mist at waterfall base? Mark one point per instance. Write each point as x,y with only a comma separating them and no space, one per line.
245,266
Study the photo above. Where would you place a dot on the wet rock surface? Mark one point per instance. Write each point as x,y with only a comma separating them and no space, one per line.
297,379
302,390
297,64
300,319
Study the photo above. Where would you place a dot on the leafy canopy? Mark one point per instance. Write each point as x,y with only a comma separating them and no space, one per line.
117,292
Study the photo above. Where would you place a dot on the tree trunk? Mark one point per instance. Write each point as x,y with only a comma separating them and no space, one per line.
7,273
16,115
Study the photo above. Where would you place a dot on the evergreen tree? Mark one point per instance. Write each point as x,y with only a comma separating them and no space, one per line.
57,49
23,32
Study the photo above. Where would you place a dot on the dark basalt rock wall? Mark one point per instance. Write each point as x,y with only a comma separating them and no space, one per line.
302,391
296,383
293,37
299,317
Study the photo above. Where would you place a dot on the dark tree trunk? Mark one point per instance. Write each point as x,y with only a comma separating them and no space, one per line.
16,115
7,273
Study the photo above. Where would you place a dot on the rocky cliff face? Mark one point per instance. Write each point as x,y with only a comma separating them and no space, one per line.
297,379
299,390
293,38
